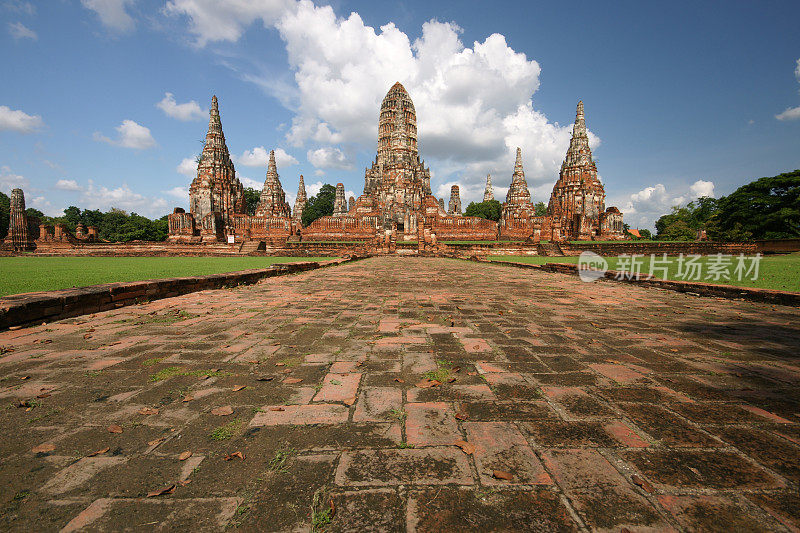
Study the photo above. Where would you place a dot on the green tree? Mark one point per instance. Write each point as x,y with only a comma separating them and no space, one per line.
694,216
5,214
645,233
540,209
92,218
767,208
678,230
32,212
701,211
320,205
490,210
251,198
72,216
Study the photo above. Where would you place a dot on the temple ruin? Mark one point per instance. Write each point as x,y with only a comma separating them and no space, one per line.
488,193
397,203
454,207
578,198
20,234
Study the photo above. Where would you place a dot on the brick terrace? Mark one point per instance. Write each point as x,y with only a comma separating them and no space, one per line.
610,406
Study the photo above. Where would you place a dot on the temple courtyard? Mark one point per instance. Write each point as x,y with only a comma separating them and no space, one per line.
406,394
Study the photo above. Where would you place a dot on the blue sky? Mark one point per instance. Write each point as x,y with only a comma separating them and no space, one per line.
104,102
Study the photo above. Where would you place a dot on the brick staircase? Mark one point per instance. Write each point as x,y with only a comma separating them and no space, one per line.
249,247
549,249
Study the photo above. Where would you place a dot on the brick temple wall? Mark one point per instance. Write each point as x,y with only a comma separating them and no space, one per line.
464,229
341,228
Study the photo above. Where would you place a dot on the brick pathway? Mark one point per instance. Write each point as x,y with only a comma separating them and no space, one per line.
412,395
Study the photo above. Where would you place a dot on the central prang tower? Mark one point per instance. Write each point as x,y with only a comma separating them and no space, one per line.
397,181
216,188
578,201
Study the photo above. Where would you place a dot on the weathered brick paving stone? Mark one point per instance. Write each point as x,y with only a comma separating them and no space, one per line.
336,399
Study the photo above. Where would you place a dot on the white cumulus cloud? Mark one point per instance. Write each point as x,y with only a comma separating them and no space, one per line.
122,197
251,183
791,113
259,157
19,31
185,112
9,180
312,189
329,157
641,209
187,167
473,100
181,193
68,185
225,20
131,135
43,204
112,13
19,121
702,188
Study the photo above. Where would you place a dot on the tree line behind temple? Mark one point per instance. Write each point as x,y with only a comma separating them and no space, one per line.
115,225
767,208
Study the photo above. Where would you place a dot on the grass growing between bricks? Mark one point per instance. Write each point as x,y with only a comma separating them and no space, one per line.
321,511
278,461
442,373
227,431
32,273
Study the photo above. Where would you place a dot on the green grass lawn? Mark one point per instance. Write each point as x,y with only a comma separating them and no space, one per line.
31,273
780,272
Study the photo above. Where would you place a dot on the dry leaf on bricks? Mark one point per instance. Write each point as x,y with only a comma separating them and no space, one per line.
502,474
234,455
466,447
169,489
98,452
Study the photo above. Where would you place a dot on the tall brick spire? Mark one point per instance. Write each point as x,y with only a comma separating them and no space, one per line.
300,201
579,152
216,188
397,129
272,201
518,191
488,193
454,206
215,149
18,230
578,190
339,202
214,122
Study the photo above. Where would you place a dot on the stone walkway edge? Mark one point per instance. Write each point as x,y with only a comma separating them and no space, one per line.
697,288
35,307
